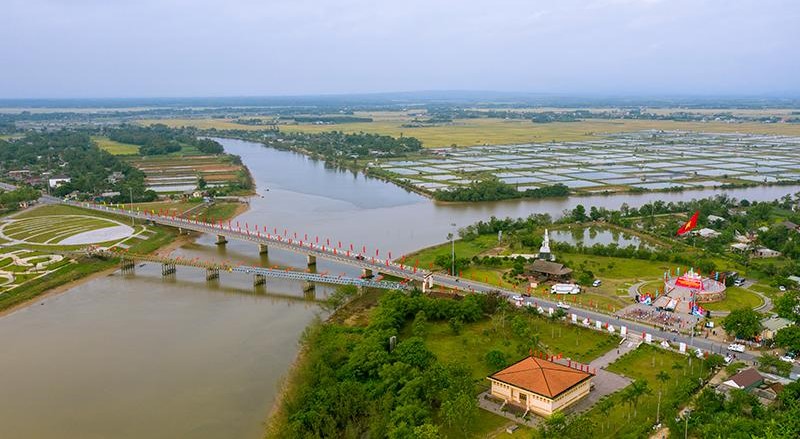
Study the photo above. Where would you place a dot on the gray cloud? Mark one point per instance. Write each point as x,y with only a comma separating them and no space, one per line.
98,48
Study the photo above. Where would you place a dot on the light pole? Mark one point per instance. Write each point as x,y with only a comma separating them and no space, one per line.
133,220
453,250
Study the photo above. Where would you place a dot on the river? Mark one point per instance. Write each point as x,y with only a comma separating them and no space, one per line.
139,356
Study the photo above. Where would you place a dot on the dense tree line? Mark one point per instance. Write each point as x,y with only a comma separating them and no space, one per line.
9,200
160,139
331,119
352,385
742,415
335,145
492,189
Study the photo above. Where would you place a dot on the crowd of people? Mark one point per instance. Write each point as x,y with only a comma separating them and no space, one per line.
669,321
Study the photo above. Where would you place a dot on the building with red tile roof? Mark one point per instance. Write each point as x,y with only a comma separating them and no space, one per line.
540,385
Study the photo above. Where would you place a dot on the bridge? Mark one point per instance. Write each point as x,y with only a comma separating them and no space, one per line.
266,240
260,274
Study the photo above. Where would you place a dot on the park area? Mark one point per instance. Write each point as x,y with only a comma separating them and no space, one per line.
62,226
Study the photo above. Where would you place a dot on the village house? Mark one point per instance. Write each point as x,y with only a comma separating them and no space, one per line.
772,325
58,180
746,379
713,219
707,233
763,252
541,386
791,226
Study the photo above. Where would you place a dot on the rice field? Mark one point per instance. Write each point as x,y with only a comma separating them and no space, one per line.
180,173
472,132
114,147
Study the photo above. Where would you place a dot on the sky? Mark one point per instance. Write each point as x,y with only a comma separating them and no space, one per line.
181,48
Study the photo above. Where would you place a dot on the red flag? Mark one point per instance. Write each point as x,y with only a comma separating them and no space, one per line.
691,224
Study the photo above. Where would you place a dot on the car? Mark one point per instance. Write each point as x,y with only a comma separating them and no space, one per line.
739,282
517,298
698,353
360,257
782,288
563,305
597,283
728,359
787,359
735,347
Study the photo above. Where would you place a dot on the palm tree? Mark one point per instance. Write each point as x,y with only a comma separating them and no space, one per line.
663,377
637,389
605,407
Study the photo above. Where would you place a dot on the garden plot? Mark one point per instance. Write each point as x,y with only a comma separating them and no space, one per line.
20,266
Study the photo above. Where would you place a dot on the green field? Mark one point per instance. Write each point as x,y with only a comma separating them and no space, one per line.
115,147
468,132
645,363
735,298
476,340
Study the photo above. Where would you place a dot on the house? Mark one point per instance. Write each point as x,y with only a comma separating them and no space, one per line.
707,233
549,270
740,247
115,177
540,385
795,279
791,226
747,379
713,219
763,252
772,325
58,180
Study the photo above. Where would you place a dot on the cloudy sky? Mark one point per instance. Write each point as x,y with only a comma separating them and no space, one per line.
145,48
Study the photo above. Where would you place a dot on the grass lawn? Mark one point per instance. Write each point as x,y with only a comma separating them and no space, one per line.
114,147
464,249
477,339
643,364
735,298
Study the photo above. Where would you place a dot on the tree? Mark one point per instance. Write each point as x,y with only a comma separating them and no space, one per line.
663,377
788,306
455,325
604,406
743,323
789,338
636,390
459,411
579,213
496,360
419,327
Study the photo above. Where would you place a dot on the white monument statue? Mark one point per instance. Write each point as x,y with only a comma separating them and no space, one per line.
544,250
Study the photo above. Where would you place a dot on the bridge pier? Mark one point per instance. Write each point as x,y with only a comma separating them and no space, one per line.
366,272
221,240
127,265
167,268
311,259
212,274
309,290
259,279
262,249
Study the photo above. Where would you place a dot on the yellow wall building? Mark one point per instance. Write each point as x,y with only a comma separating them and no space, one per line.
540,386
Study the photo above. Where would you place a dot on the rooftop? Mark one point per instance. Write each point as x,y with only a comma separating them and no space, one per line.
746,378
541,376
776,323
553,268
